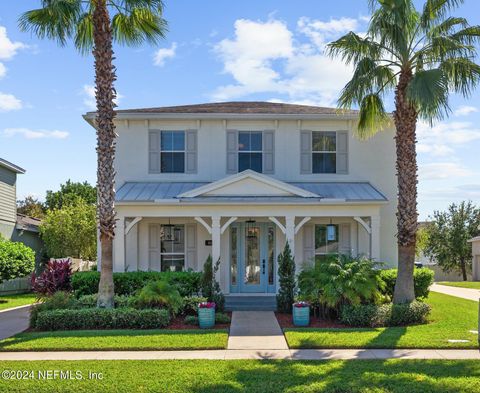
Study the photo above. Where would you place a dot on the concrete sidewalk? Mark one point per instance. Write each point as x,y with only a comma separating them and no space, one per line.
465,293
13,321
293,354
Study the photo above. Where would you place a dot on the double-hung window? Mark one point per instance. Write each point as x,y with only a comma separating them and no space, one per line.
172,151
250,151
326,240
324,152
172,252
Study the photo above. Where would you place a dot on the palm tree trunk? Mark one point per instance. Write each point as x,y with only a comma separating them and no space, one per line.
405,117
105,94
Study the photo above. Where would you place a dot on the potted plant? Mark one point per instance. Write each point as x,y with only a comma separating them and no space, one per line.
206,314
301,313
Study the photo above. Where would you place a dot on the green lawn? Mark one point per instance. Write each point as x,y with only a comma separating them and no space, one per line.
119,340
9,301
252,376
462,284
451,318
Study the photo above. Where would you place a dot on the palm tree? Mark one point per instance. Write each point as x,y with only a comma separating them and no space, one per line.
421,57
90,24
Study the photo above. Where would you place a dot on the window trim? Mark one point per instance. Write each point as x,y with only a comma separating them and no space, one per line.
320,254
184,253
239,152
335,152
184,151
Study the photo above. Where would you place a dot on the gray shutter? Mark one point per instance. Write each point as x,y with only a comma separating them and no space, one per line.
191,151
344,239
154,247
305,152
191,246
232,151
342,152
268,151
153,151
308,242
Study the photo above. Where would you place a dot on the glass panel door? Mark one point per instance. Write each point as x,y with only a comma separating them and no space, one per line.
252,256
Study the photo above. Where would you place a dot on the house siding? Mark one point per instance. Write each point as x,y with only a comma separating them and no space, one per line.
8,206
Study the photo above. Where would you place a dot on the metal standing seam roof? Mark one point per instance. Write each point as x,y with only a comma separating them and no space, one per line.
154,191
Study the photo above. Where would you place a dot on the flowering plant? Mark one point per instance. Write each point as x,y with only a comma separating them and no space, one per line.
301,304
206,305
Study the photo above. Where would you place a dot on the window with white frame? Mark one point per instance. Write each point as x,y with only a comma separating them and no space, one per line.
172,252
324,152
172,153
250,151
326,240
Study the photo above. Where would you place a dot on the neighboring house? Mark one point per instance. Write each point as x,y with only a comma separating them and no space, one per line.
235,180
13,226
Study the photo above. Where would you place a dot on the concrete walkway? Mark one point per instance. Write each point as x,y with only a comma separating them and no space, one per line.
255,330
465,293
14,321
293,354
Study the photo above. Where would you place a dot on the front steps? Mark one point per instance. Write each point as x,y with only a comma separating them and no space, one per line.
251,302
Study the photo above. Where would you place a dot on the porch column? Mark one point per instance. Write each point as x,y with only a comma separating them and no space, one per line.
216,239
119,246
290,233
375,237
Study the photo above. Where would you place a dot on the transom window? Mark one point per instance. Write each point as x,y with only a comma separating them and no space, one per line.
250,151
326,240
324,152
172,154
172,252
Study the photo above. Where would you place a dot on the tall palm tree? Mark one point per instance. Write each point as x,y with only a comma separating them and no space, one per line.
420,57
91,26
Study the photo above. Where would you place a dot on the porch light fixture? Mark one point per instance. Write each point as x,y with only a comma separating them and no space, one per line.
331,232
249,225
170,233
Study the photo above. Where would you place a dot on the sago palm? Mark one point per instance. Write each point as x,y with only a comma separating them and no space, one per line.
420,57
94,24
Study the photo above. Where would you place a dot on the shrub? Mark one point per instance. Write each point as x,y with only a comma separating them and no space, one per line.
338,280
56,276
286,278
101,318
86,283
58,301
210,287
120,301
372,315
221,318
16,260
191,320
159,294
422,279
190,304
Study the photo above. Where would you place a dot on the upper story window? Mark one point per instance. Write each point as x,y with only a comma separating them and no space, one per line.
250,151
324,152
172,151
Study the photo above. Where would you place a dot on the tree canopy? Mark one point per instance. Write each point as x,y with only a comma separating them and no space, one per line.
69,193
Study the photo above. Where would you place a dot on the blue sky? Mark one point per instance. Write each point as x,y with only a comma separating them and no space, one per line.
215,50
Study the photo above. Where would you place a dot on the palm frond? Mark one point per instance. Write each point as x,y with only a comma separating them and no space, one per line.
84,33
436,10
463,75
372,117
352,48
447,26
467,36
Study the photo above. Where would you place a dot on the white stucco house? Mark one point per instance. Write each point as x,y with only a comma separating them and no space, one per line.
236,180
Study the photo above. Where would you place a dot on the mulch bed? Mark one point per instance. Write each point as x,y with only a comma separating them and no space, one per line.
178,323
286,321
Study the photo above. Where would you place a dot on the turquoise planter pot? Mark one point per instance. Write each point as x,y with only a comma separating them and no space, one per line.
206,317
301,316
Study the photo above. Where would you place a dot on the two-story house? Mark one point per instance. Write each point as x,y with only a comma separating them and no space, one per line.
236,180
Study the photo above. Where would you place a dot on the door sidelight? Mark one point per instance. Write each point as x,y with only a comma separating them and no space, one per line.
263,266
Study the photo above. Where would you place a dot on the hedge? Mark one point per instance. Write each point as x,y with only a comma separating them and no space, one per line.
100,318
86,283
372,315
422,279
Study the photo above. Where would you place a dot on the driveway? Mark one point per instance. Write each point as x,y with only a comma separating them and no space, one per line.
14,321
465,293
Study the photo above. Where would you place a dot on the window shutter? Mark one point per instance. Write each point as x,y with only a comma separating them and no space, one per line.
191,151
308,242
342,152
191,246
232,151
153,151
344,235
305,152
154,247
268,151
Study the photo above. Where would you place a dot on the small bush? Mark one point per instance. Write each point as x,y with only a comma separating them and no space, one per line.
190,304
16,260
221,318
56,276
286,278
58,301
120,301
86,283
210,287
191,320
159,294
101,318
371,315
422,279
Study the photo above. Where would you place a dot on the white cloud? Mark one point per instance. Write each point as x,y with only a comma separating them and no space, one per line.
8,48
88,91
35,134
9,102
443,170
3,70
465,110
267,57
163,54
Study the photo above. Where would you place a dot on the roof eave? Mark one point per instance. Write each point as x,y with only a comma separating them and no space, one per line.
12,167
176,202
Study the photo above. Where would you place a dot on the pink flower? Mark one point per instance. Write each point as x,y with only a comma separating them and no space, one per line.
206,305
301,304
